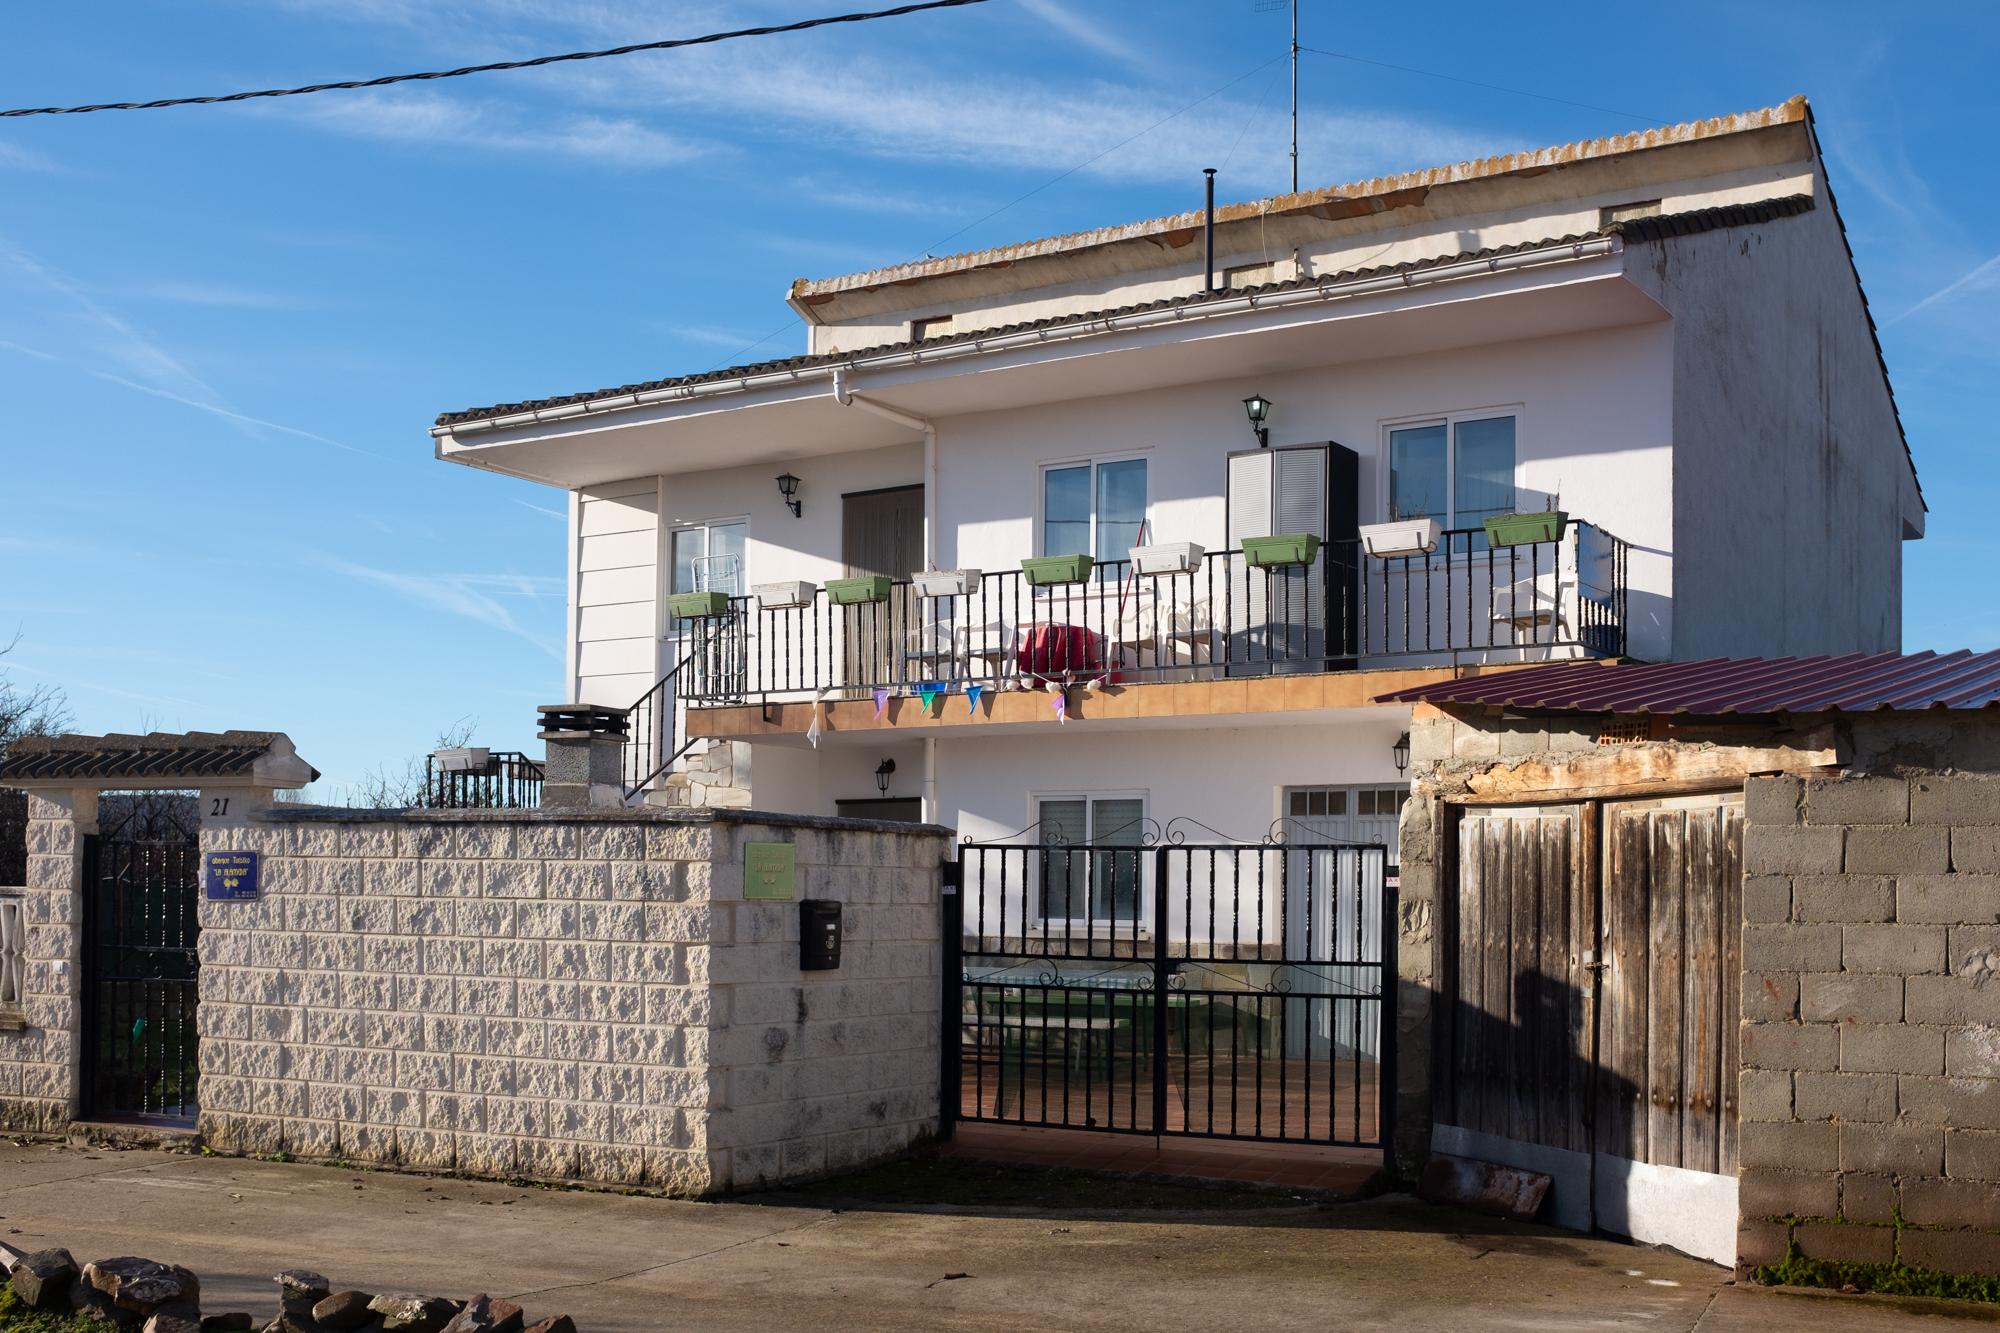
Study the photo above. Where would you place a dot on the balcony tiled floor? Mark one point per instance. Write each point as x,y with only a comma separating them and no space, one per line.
1337,1170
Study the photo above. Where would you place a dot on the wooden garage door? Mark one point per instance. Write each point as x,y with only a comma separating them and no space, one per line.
1521,1012
1667,1049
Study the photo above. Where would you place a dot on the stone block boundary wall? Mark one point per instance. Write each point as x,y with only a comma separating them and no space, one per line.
1870,1095
570,998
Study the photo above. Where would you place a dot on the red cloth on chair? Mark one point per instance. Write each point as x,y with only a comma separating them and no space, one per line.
1052,652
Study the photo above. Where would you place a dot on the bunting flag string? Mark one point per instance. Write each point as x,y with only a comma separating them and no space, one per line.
972,693
881,701
812,723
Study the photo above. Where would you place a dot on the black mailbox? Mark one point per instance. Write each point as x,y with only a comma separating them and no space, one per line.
819,935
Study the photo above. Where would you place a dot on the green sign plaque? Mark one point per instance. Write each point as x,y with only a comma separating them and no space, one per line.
769,870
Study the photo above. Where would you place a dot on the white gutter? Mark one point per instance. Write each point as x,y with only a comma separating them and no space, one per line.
1103,324
846,397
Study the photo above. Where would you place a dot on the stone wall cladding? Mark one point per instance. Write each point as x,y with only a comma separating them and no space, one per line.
569,999
1871,1087
38,1071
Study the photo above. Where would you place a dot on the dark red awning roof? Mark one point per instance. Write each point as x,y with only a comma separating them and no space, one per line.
1856,682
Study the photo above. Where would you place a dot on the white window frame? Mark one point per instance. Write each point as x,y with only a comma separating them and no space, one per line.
1450,421
674,628
1093,462
1140,926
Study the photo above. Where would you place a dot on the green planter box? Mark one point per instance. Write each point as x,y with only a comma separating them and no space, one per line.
859,592
1281,549
1043,570
1526,529
699,605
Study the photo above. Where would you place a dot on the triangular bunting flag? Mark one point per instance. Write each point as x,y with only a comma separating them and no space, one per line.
929,694
881,701
972,693
1060,702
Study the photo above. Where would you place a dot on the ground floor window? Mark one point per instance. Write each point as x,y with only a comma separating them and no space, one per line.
1088,874
1366,814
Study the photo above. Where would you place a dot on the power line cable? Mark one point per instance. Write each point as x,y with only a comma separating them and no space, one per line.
671,44
1490,87
1059,177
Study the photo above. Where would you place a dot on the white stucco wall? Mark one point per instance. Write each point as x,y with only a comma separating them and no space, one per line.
1594,423
1789,474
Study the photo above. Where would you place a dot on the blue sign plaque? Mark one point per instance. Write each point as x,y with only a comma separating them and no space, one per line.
229,876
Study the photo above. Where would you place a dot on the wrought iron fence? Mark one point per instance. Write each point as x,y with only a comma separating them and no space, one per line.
1224,618
1210,990
507,779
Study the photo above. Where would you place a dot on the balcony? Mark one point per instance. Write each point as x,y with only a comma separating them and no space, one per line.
1225,619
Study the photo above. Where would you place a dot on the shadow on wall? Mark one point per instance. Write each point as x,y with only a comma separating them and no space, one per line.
1517,1083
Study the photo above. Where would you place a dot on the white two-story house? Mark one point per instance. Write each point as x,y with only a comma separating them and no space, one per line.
1660,337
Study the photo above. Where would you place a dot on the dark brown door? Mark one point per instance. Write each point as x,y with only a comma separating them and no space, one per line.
881,532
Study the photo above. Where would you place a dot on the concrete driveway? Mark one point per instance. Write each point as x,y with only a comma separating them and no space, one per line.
634,1265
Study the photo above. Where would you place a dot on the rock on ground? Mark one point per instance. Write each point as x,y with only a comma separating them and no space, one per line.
42,1279
344,1310
485,1314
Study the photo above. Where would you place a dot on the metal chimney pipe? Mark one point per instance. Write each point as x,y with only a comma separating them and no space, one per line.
1208,235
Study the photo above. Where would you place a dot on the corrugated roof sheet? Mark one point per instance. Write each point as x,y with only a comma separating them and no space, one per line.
194,754
1634,230
1854,683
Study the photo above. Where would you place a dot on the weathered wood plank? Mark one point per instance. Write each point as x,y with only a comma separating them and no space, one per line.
1523,875
1622,1121
1666,1039
1499,1009
1554,990
1469,985
1702,955
1730,1010
1585,949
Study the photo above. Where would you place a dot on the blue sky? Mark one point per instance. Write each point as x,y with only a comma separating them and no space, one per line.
224,330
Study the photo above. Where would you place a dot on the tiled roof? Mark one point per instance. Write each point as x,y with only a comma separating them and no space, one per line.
192,755
1854,683
1637,230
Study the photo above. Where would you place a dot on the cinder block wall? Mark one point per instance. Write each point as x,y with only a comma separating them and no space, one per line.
569,998
38,1040
1870,1093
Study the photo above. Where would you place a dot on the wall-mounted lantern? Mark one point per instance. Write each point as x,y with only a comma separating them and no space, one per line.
788,486
1258,408
1400,752
882,772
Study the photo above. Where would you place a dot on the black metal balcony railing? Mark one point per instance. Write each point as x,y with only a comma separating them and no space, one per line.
508,780
1222,620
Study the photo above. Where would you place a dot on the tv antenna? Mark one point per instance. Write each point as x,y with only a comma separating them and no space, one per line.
1268,6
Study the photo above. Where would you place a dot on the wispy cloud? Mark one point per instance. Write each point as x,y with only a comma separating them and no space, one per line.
708,335
437,119
1064,19
868,199
556,514
481,598
1981,277
13,157
222,295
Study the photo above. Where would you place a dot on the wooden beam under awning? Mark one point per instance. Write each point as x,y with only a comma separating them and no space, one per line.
1015,709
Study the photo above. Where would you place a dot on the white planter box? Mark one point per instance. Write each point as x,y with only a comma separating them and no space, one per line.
771,596
462,759
1406,536
1167,558
946,582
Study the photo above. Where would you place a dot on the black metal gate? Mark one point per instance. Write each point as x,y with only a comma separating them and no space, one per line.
1215,990
139,989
